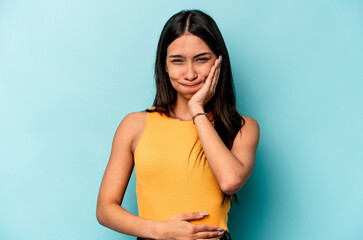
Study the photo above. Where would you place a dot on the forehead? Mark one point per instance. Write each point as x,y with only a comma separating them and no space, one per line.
186,45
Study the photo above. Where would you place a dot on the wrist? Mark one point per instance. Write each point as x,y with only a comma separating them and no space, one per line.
196,109
160,230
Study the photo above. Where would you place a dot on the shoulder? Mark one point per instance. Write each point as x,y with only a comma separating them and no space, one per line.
134,119
131,126
250,131
250,123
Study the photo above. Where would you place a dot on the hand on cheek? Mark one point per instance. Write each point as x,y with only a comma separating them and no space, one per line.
200,98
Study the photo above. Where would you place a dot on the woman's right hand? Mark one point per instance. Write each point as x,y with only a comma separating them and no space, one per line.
178,227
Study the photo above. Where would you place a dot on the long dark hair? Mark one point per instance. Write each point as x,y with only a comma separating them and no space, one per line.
222,106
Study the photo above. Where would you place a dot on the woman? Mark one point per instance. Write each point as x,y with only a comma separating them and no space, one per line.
192,151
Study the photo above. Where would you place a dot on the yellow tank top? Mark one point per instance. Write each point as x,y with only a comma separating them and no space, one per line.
172,176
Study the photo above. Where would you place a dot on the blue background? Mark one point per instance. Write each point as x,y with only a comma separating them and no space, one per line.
71,70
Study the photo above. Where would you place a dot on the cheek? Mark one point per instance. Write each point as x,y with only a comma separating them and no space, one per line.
204,71
174,73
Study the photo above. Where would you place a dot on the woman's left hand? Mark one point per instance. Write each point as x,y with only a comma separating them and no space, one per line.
200,98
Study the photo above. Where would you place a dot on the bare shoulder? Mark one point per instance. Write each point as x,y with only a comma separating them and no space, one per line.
132,127
250,131
250,123
134,119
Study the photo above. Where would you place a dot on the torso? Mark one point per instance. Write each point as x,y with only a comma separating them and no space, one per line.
169,181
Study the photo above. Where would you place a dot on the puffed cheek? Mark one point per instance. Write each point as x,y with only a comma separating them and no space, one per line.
173,77
205,77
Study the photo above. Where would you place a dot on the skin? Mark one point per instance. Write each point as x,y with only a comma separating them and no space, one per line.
193,71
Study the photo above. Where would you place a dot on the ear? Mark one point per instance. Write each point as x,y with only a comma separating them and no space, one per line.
166,68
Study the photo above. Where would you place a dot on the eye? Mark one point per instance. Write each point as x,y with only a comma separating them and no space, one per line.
202,60
177,61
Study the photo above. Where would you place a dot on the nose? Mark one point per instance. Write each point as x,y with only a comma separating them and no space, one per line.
190,73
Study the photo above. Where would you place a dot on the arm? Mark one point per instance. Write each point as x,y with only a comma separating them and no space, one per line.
111,214
115,180
231,168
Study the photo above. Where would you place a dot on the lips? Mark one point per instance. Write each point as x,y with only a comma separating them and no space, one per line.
191,85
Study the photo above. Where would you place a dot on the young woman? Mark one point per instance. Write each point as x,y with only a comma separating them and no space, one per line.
192,151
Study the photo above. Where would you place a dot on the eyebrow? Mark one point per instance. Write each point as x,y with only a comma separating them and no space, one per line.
198,55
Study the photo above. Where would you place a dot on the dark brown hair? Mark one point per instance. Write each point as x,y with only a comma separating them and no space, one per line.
222,106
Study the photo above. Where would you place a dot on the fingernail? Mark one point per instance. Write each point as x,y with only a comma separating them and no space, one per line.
220,233
203,214
220,229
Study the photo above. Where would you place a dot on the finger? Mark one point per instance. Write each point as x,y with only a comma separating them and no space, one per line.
206,228
216,78
210,239
192,216
213,68
209,79
211,82
209,235
216,70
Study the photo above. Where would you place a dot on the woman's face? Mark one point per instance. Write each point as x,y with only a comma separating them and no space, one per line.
188,63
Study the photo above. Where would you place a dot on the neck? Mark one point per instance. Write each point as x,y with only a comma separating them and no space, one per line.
181,109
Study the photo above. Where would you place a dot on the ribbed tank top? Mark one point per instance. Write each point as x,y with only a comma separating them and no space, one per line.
172,176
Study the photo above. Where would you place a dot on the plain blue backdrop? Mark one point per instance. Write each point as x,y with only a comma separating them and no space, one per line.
71,70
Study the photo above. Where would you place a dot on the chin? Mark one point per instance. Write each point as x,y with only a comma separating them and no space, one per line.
186,95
